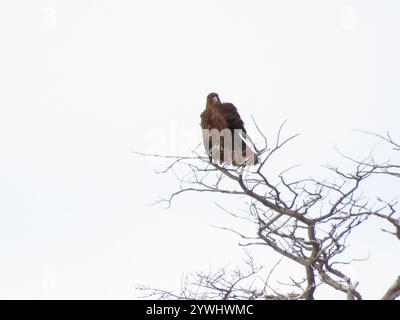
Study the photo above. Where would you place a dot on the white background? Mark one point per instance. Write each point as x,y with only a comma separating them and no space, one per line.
83,83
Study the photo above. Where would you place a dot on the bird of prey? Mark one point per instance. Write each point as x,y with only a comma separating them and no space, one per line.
224,136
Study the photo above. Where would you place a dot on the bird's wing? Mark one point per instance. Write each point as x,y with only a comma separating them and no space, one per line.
231,115
235,122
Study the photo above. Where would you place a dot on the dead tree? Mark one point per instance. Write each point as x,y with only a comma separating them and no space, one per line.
306,220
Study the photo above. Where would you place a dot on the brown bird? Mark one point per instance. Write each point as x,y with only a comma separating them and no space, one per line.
224,136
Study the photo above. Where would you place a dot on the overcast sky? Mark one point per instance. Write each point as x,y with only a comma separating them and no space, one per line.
83,83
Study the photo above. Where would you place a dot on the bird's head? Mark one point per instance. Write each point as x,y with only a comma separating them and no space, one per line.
213,98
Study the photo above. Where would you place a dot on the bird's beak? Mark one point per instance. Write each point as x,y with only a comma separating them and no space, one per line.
215,99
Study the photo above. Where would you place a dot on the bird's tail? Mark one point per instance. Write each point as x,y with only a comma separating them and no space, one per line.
230,146
244,153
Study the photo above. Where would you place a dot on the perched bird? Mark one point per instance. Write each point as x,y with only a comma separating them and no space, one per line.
224,136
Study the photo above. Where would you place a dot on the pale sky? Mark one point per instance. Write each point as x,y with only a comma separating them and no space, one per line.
83,83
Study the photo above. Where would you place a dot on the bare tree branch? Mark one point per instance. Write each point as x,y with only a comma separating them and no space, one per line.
394,291
307,221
